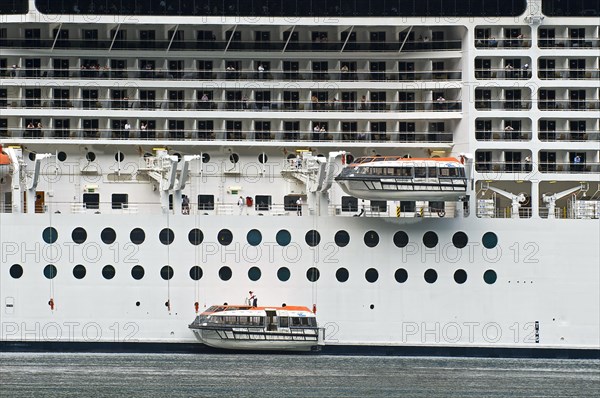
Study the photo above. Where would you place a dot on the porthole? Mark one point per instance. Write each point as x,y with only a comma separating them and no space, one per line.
254,237
166,272
178,156
341,238
489,240
90,156
430,239
400,239
108,235
283,274
79,235
137,236
349,159
225,273
196,273
108,272
291,156
50,271
195,236
32,156
371,275
283,237
490,276
79,271
137,272
460,240
371,238
460,276
225,237
401,275
262,158
234,158
61,156
430,276
313,274
312,238
166,236
205,158
50,235
119,156
254,274
342,275
16,271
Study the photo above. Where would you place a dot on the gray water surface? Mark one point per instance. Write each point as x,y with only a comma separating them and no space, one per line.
203,375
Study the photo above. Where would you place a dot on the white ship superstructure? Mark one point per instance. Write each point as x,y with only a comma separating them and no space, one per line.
160,157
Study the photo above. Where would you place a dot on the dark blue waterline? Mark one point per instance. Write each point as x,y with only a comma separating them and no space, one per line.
474,352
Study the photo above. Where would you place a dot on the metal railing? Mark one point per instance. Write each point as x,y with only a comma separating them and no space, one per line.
235,105
569,74
234,45
105,73
544,167
567,42
514,43
569,135
423,137
503,74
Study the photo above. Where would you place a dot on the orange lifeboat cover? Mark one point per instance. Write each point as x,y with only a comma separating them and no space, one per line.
4,159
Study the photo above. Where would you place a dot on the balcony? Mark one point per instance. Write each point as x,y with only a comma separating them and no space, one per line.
233,46
358,137
569,74
566,42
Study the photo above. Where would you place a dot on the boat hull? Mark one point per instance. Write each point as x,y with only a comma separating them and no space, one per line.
257,341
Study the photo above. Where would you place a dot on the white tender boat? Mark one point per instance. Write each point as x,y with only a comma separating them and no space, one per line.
242,327
397,178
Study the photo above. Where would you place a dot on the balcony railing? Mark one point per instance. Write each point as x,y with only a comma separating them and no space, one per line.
569,135
225,45
120,133
103,73
235,105
514,43
567,42
571,105
503,74
569,74
503,135
509,105
546,167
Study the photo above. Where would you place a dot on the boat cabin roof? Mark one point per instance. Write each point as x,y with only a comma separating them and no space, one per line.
230,308
372,160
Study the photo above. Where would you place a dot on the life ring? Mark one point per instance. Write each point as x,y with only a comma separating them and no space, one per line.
441,213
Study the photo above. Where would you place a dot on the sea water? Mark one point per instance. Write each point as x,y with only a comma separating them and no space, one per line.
234,375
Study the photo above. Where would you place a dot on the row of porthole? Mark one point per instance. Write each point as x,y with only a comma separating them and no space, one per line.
283,237
254,273
120,156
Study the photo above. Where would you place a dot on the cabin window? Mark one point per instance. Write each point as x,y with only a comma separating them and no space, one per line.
349,203
91,200
420,172
119,200
284,322
262,202
449,172
378,205
206,202
432,172
403,172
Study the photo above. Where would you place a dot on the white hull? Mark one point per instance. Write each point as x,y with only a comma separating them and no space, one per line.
122,133
213,339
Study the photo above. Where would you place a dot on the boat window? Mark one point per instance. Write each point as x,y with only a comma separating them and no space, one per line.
420,172
389,171
405,172
284,322
432,172
448,172
295,321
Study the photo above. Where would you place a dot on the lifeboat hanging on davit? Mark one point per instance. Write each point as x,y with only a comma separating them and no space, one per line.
4,163
397,178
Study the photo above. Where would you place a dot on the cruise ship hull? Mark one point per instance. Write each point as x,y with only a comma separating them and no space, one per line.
544,297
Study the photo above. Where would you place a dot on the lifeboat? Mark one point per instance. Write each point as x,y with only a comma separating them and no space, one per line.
398,178
4,163
243,327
